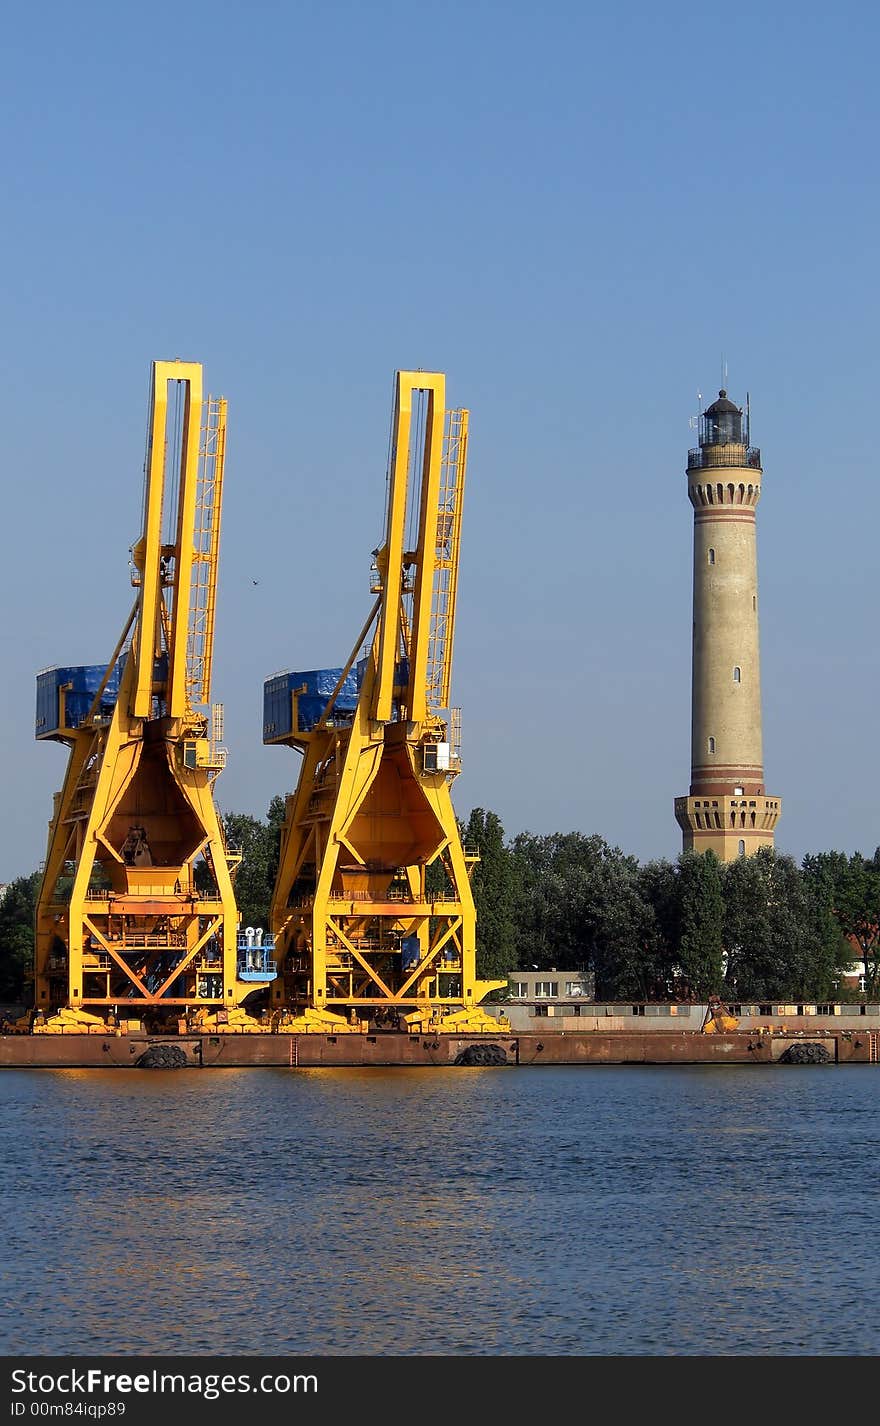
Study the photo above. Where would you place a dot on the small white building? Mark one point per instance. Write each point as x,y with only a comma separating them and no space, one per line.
544,994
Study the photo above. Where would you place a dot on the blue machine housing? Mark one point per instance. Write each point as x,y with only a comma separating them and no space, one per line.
84,681
401,671
319,684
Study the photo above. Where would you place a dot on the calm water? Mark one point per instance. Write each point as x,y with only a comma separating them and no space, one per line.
584,1211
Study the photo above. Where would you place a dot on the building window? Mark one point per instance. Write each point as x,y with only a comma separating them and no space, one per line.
546,989
539,1009
711,556
520,989
737,792
754,601
711,745
737,674
742,847
574,987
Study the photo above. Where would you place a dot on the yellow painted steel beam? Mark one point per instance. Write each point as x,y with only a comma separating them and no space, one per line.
390,557
212,928
176,694
427,961
361,960
114,955
322,721
435,386
151,557
146,562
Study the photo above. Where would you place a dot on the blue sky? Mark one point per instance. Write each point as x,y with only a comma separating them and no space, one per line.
578,212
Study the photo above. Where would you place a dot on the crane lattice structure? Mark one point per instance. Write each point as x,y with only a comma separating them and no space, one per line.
373,913
122,924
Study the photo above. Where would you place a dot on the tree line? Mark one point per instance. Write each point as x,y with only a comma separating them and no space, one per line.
759,928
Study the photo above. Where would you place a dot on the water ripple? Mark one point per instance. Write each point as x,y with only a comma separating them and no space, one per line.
555,1212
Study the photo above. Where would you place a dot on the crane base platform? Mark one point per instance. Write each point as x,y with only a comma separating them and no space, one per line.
315,1050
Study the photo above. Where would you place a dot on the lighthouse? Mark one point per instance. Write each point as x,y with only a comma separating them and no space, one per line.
728,810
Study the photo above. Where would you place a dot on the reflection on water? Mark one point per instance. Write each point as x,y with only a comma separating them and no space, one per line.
570,1211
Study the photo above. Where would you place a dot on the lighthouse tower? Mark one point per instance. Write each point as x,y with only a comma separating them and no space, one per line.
728,810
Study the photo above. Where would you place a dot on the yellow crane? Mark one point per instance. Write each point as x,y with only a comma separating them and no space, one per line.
372,913
123,927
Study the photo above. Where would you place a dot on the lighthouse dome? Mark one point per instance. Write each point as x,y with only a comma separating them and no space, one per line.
722,422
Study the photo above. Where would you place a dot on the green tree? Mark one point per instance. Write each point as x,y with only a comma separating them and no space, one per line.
622,930
658,888
253,879
701,923
492,885
548,929
275,819
17,909
848,890
580,908
773,932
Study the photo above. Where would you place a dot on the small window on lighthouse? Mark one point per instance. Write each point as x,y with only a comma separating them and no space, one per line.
742,848
737,674
711,556
711,745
